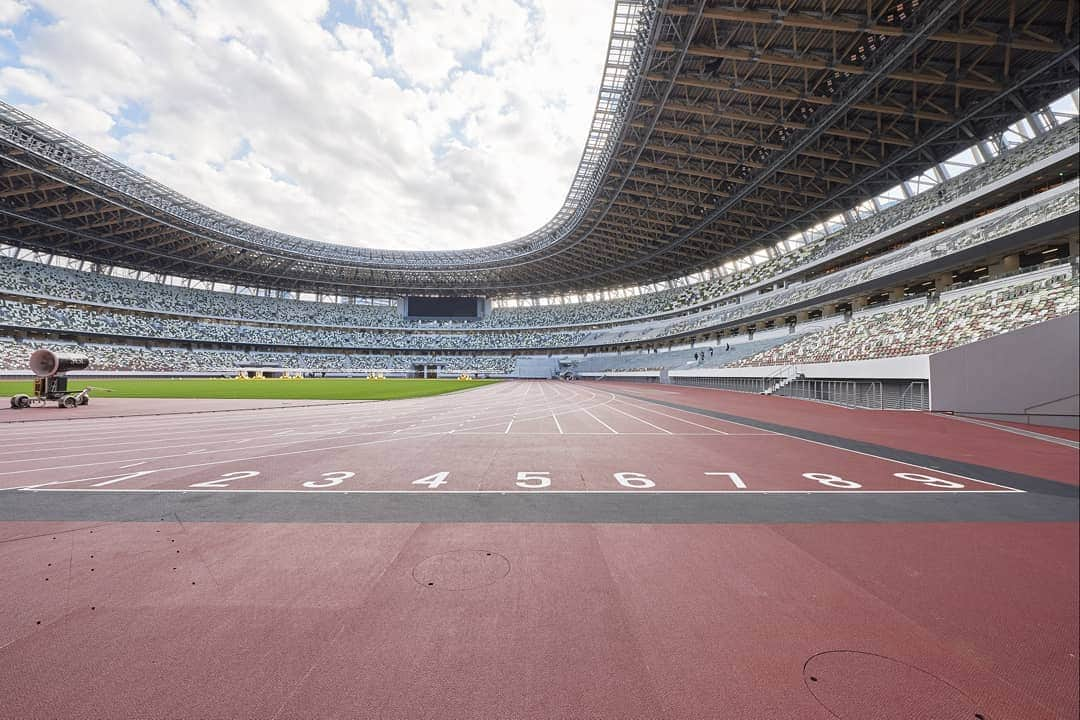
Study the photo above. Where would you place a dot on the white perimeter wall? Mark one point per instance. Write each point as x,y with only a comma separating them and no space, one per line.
911,367
1028,375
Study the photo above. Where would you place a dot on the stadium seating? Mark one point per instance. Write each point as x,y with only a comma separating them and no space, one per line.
109,358
963,317
38,280
36,298
141,325
716,356
25,313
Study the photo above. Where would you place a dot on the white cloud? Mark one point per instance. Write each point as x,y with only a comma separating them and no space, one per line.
11,11
427,124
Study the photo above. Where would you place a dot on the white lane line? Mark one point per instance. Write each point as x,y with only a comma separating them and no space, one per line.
236,460
613,430
1018,431
508,426
859,452
277,443
124,467
608,434
679,419
557,425
635,417
418,491
169,425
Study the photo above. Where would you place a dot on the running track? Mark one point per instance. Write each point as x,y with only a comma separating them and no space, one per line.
538,550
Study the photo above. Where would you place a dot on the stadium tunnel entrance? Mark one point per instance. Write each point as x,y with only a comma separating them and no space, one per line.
427,370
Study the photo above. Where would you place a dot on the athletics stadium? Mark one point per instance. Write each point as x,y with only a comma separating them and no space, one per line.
774,417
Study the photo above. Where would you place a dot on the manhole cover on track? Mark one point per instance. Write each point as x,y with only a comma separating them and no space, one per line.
859,686
461,569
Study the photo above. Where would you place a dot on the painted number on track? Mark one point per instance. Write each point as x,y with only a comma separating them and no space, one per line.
224,480
734,477
634,480
330,479
533,480
833,481
433,481
929,481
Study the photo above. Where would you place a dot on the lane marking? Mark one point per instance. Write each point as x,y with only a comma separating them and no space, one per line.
642,491
613,430
859,452
621,434
635,417
273,444
758,432
678,419
1018,431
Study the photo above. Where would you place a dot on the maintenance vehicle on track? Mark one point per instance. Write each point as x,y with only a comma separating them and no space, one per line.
51,382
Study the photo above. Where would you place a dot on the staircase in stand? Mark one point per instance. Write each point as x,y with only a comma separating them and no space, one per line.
779,379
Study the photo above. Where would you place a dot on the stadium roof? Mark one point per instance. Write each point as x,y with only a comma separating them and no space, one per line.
720,128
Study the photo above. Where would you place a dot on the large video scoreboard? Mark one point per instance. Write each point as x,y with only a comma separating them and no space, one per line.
432,308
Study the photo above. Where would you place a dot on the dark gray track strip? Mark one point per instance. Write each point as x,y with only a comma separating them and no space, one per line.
1019,481
731,508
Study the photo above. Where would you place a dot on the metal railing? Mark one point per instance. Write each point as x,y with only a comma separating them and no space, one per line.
849,393
913,396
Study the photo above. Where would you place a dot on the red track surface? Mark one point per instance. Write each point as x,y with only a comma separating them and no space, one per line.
940,435
175,618
109,407
578,437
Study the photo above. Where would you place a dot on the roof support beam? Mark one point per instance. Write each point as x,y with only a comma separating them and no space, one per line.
712,112
749,142
839,23
725,178
679,151
933,17
811,62
791,96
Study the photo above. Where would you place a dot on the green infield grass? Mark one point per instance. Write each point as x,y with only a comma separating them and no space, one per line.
307,389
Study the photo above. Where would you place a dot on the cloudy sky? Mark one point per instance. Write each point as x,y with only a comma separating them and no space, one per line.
412,124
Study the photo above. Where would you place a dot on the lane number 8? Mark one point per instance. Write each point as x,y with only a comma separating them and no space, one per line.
833,481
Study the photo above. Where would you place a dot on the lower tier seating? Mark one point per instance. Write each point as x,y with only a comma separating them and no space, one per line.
14,355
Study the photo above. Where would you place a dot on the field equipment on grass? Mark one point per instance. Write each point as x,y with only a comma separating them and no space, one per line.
50,382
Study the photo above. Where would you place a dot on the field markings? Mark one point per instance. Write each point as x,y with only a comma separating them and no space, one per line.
545,409
276,443
635,417
613,435
673,417
544,491
613,430
1018,431
105,427
858,452
242,459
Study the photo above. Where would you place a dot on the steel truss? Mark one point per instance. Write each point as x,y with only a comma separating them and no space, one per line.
719,128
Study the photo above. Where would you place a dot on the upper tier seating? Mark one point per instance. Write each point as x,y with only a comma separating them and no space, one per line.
922,329
138,325
1053,204
27,278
